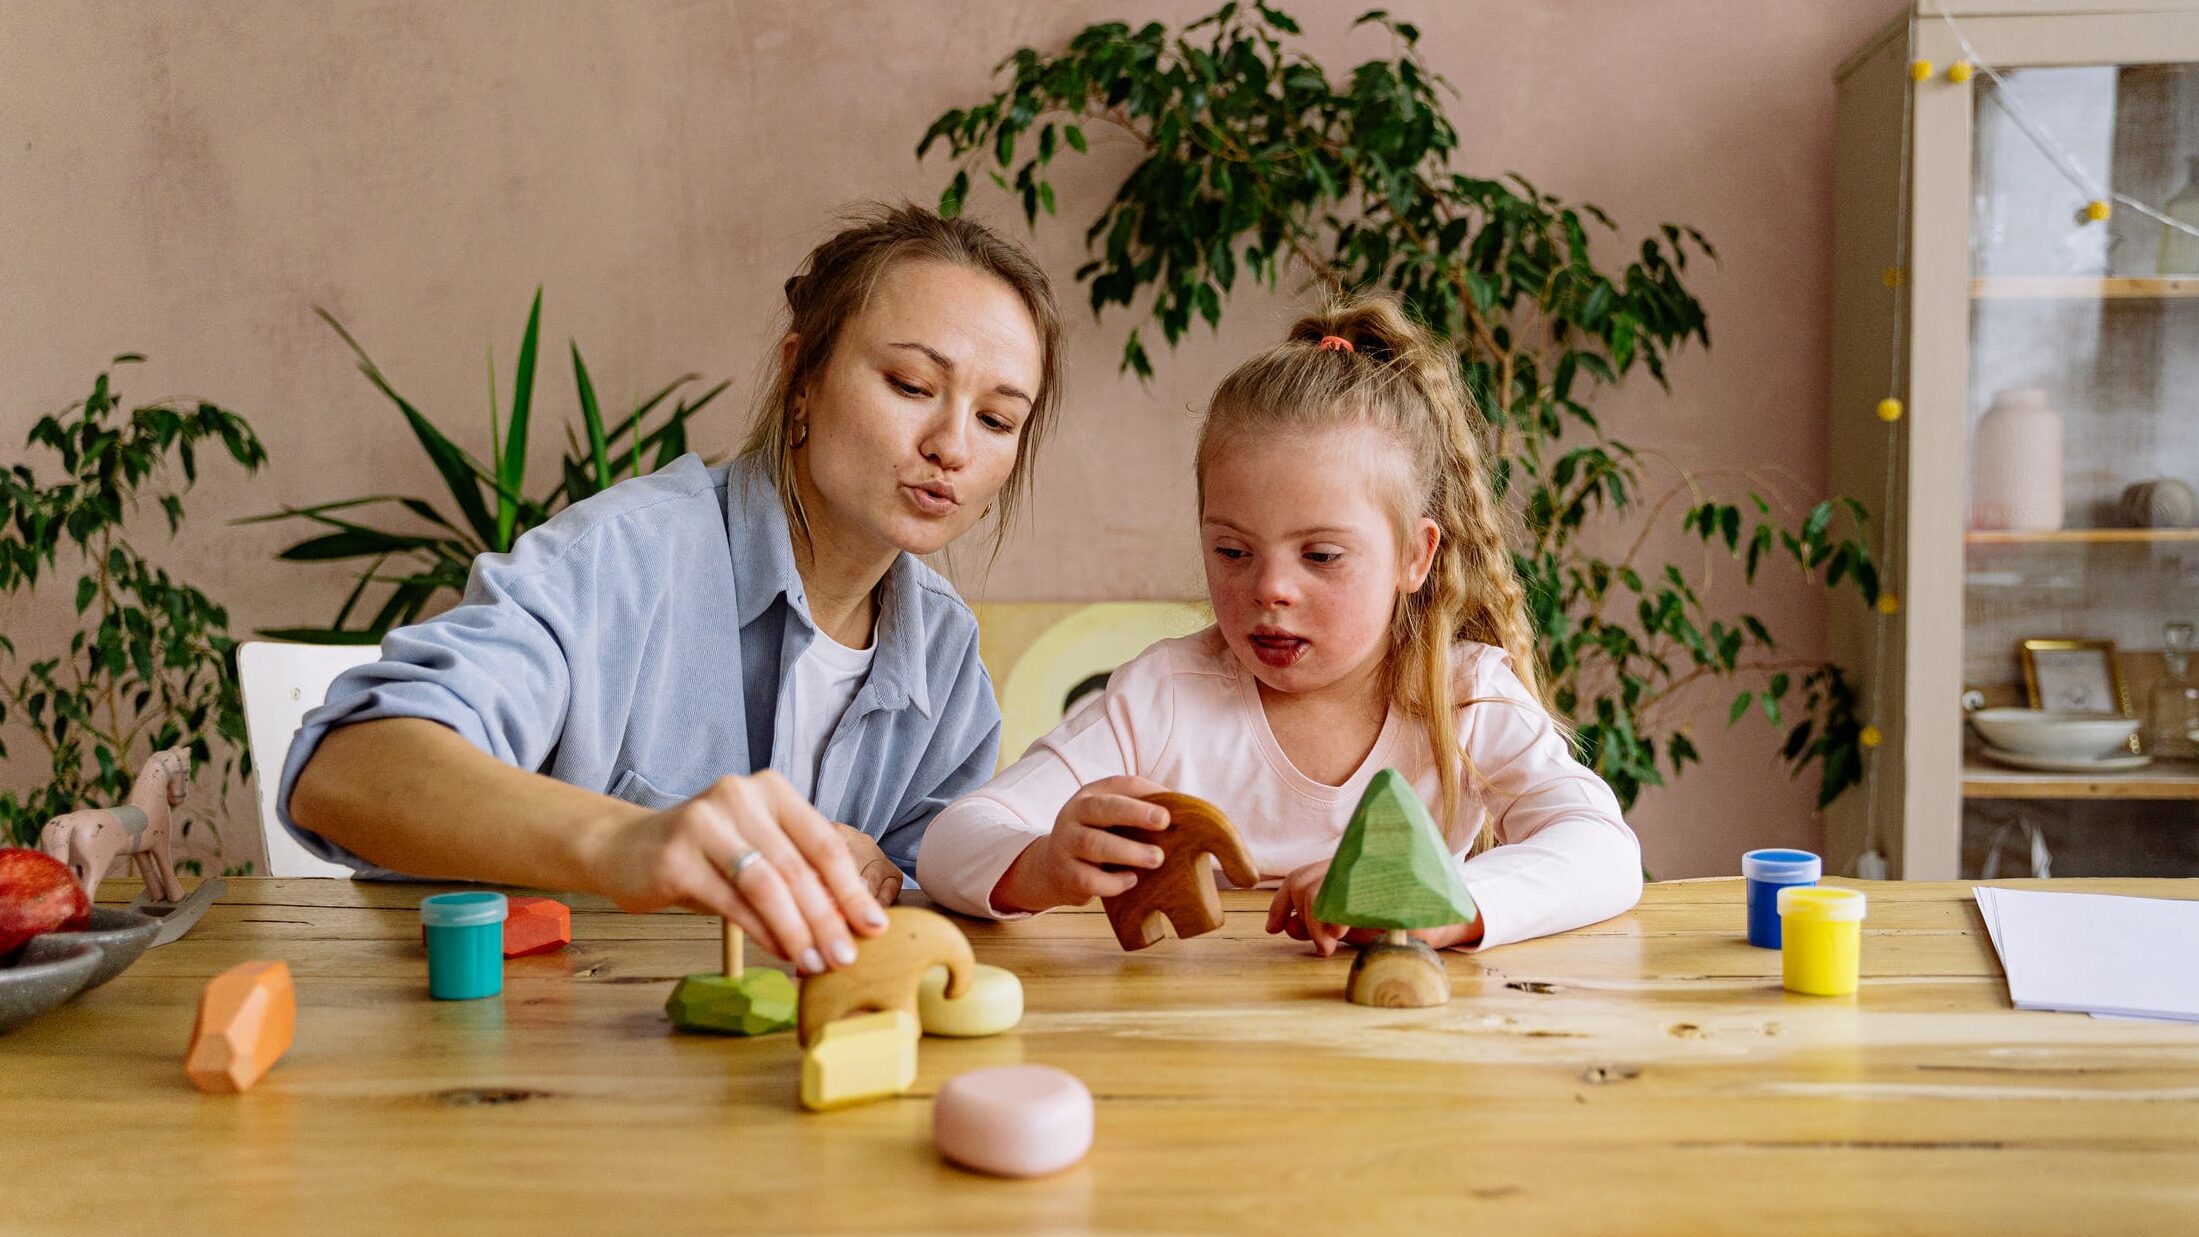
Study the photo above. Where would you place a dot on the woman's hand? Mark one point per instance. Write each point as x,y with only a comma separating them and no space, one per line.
797,898
1081,860
1291,913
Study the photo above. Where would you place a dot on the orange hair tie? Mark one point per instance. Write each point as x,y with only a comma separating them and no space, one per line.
1335,343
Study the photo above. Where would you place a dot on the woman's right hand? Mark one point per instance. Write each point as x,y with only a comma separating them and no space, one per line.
798,900
1081,859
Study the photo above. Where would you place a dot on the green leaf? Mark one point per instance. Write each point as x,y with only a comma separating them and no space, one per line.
512,469
591,414
461,473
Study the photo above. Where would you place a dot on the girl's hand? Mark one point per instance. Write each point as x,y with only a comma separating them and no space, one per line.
1291,913
1080,860
797,898
878,873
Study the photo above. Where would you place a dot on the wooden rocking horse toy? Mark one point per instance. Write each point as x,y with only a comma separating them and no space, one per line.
89,841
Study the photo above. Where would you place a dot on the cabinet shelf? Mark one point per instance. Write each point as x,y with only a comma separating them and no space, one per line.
2163,779
2080,536
1964,270
2087,288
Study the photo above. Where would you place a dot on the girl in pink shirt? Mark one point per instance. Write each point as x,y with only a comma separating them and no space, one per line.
1367,616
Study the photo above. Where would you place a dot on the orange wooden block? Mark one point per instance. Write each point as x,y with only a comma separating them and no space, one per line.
536,926
246,1015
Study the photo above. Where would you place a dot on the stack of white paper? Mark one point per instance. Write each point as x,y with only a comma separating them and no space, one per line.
2096,953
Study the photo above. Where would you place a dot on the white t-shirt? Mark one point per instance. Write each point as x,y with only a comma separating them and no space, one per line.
824,684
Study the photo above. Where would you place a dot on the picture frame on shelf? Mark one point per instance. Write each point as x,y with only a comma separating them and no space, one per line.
2079,675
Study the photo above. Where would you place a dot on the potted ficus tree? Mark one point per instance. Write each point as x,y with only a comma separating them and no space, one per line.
149,664
1255,165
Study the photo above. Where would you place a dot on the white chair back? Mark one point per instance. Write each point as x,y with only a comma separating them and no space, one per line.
281,683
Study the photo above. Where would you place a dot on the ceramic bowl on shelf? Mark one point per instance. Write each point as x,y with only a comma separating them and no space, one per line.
2056,734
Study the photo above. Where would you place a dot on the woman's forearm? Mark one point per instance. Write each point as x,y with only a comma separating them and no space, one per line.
412,796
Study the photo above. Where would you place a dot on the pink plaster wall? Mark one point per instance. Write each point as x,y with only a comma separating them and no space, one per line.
190,180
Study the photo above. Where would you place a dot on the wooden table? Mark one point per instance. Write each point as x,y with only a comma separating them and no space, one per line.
1642,1075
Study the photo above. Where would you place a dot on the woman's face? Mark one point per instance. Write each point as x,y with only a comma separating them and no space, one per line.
1302,557
914,420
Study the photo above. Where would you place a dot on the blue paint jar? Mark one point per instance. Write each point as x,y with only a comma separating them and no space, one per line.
465,944
1767,872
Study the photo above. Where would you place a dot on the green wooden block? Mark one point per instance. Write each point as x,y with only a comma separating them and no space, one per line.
759,1002
1392,869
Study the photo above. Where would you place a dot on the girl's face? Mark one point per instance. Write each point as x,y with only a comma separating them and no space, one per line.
914,420
1303,563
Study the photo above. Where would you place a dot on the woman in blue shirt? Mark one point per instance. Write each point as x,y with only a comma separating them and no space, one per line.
668,692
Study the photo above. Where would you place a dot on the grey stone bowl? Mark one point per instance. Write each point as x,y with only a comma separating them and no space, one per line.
50,970
122,936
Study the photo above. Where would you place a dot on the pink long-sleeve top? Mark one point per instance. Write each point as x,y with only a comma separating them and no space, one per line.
1185,714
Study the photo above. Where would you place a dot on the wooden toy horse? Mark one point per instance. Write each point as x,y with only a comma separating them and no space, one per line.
89,841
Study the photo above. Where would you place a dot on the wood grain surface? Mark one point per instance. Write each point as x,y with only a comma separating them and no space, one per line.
1642,1075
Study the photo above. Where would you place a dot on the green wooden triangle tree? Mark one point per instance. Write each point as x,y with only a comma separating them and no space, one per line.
1392,869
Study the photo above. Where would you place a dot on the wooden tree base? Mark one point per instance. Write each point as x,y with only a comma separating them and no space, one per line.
1398,976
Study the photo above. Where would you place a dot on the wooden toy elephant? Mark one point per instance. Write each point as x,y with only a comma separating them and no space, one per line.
89,841
1181,890
888,970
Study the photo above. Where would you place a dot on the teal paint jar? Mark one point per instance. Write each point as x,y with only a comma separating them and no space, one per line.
465,944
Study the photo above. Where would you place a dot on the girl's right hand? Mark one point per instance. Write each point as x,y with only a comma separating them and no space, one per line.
1081,859
797,899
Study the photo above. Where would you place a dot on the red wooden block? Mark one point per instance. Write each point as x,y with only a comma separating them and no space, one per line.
537,926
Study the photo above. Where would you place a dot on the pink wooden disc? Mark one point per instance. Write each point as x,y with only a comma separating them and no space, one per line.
1014,1120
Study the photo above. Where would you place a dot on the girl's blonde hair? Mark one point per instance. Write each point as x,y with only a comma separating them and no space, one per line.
1393,378
833,285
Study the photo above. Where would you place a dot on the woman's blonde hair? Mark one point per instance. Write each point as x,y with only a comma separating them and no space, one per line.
1393,378
834,284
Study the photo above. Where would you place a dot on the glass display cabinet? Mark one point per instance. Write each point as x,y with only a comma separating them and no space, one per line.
2017,263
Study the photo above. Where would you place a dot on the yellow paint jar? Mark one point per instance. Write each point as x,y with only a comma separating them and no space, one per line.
1821,930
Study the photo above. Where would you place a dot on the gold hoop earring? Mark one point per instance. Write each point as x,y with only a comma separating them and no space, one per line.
801,435
986,512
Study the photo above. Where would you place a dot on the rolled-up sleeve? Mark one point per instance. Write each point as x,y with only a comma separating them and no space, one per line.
1566,856
495,668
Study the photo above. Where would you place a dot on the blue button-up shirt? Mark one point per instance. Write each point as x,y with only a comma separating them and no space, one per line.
637,644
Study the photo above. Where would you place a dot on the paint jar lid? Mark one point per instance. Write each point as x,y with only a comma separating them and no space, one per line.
463,910
1821,903
1784,867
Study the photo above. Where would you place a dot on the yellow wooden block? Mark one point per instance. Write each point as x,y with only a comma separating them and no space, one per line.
993,1004
856,1060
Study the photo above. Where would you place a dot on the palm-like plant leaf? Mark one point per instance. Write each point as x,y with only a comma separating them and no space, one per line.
442,561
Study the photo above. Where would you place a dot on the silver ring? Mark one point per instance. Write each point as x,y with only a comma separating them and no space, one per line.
741,863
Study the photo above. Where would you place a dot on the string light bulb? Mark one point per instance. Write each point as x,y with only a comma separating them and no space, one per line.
1960,71
1870,737
2098,210
1920,71
1891,277
1889,410
1889,604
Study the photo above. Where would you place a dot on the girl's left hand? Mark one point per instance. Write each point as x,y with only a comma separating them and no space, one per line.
1291,913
